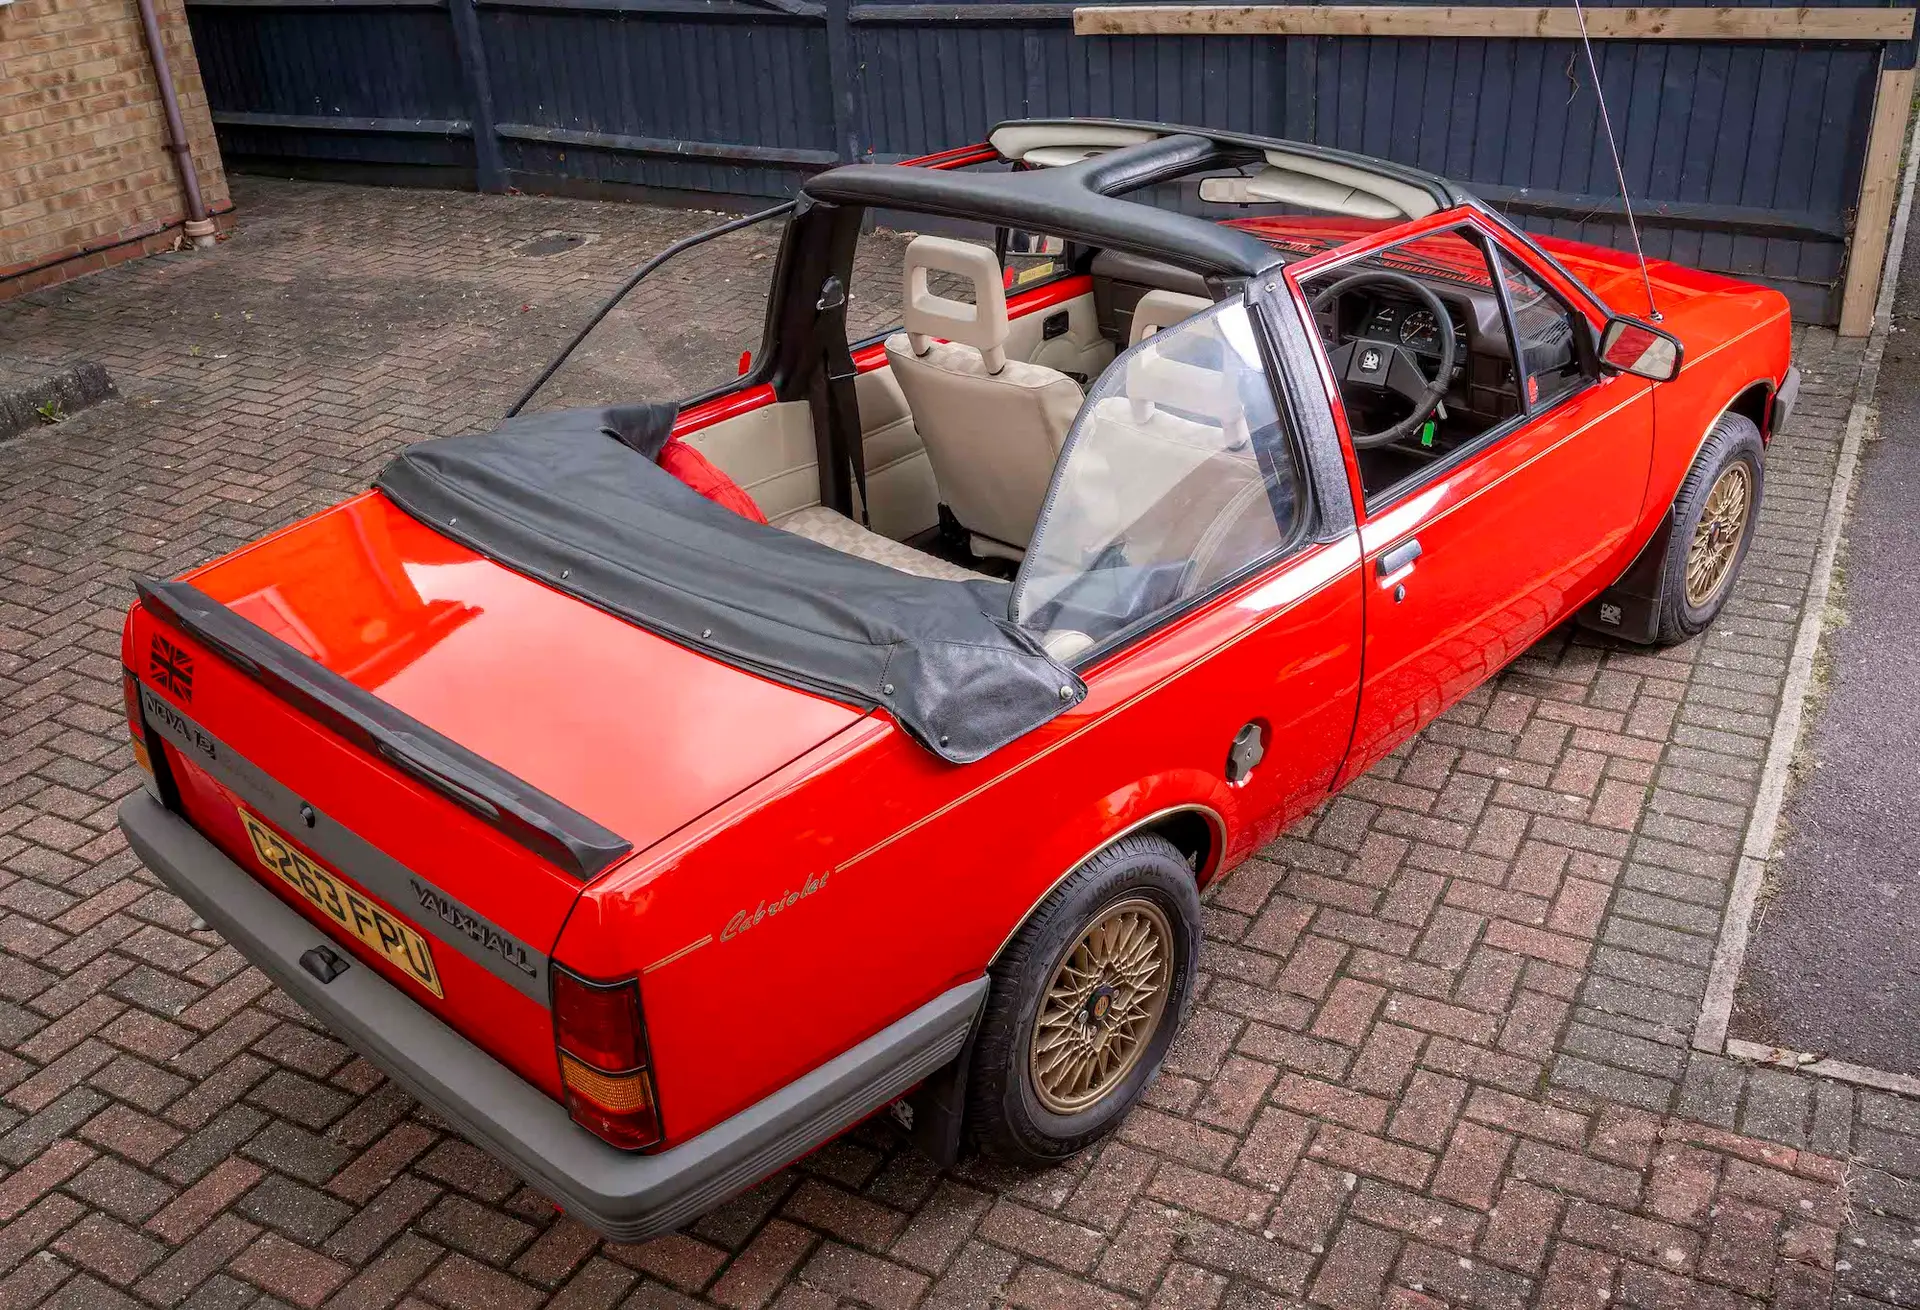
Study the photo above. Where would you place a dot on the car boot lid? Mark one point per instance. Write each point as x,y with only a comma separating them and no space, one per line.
577,735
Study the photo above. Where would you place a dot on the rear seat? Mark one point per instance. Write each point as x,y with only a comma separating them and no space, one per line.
818,523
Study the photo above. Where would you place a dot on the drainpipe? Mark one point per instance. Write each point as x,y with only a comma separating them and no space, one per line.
199,226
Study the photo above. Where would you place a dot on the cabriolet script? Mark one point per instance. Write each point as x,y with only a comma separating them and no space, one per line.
746,919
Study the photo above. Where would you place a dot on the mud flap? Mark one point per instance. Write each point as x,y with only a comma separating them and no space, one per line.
939,1105
1630,608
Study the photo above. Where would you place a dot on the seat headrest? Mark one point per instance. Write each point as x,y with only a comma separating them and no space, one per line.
1162,309
982,325
1154,381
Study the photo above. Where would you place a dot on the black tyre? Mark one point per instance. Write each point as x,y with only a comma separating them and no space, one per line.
1713,522
1084,1002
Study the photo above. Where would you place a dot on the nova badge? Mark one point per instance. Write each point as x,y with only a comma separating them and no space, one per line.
184,731
1369,361
171,667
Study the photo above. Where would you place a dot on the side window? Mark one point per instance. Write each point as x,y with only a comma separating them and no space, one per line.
874,298
1393,321
686,330
1176,476
1543,327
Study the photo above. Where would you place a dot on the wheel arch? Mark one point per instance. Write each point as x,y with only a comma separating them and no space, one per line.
1755,402
1749,402
1625,608
1194,827
1196,833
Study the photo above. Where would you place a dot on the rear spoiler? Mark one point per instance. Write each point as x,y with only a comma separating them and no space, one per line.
550,829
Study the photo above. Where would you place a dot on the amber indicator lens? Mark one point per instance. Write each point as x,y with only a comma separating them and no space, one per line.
603,1059
618,1108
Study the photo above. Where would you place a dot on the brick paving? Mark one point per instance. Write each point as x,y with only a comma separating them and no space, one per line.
1440,1056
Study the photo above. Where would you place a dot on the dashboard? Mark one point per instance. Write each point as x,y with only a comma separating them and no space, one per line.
1482,385
1482,381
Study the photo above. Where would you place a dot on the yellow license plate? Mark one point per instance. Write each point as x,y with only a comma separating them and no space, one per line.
402,947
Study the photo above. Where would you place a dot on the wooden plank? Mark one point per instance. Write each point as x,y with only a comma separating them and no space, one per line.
748,9
1879,181
489,169
843,61
1555,22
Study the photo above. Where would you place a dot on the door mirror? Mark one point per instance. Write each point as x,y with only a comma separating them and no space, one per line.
1629,346
1033,243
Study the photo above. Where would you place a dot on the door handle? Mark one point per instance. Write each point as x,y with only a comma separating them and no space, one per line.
1400,557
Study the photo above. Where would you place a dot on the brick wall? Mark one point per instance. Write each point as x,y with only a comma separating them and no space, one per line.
85,177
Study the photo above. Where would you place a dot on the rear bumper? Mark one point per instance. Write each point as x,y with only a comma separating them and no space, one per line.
624,1195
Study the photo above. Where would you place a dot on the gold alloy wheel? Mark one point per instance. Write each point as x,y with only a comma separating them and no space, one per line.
1716,538
1103,1006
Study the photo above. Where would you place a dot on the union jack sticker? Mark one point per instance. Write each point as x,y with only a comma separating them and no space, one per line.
171,667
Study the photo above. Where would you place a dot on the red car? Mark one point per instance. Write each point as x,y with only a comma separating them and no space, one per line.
657,791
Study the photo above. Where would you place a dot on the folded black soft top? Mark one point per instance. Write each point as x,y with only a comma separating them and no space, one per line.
575,499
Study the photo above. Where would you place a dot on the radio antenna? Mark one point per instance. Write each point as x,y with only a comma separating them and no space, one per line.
1620,172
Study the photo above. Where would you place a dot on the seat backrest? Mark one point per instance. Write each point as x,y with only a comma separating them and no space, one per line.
1162,309
992,426
1168,467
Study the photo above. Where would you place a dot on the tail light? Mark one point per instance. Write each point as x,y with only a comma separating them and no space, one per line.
136,721
602,1041
154,771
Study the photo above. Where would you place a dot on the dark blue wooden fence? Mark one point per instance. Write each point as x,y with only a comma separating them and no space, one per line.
1743,156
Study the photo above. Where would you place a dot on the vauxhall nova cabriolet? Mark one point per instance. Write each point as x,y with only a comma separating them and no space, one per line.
657,791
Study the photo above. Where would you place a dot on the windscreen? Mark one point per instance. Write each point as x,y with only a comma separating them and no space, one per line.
1175,477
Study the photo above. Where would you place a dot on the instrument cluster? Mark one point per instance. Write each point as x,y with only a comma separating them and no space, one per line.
1414,327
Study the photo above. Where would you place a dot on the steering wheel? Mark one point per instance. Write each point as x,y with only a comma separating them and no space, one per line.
1388,366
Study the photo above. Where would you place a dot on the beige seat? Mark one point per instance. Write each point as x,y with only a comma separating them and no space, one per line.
818,523
1171,485
1165,470
993,427
1162,309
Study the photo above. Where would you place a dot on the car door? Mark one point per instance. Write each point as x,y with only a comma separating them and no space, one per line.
1182,561
1472,562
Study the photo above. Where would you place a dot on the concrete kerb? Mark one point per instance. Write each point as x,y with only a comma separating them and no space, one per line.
32,395
1710,1032
1803,1062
